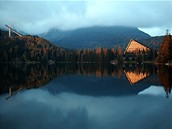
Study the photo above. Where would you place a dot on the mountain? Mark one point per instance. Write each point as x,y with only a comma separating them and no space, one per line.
27,49
153,42
93,37
33,49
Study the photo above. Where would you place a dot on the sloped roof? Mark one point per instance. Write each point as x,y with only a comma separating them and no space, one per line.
134,45
134,77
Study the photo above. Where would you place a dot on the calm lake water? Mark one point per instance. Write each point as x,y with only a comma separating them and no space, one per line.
85,96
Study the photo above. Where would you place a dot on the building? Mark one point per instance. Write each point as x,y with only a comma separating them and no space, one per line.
136,51
134,47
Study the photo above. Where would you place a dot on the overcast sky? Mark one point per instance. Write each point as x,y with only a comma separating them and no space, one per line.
153,17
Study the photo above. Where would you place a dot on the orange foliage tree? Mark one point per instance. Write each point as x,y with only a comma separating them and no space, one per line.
165,51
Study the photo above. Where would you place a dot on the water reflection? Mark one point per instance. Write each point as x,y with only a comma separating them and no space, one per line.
135,77
85,96
153,91
89,79
40,109
165,74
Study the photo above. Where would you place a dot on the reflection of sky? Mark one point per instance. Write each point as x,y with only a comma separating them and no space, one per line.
38,108
153,90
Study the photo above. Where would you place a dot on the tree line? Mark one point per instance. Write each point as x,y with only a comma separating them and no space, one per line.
36,49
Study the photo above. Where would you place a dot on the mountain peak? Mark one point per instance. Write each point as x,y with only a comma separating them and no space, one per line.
93,37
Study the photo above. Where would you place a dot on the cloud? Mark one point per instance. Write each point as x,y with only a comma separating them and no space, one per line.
38,108
40,16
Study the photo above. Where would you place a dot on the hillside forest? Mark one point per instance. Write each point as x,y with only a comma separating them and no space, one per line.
33,49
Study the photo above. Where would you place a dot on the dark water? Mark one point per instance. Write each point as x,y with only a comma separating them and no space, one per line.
85,96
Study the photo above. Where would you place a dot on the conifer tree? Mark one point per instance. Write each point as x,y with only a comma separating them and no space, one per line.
165,51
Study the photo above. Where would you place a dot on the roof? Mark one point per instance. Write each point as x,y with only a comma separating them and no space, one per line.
134,45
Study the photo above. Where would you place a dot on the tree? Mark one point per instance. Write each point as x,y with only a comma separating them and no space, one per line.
165,51
119,54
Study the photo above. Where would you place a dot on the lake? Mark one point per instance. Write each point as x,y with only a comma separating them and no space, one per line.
85,96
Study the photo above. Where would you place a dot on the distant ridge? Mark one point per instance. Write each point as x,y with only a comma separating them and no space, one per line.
93,37
153,42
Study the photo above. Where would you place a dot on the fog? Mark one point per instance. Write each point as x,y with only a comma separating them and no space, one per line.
37,108
34,17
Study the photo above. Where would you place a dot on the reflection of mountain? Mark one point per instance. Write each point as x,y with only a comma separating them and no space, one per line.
89,79
15,77
110,85
95,86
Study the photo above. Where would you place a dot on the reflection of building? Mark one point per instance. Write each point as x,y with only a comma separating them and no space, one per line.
135,77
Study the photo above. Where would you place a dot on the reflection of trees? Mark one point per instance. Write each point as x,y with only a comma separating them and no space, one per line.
165,74
146,68
99,70
24,76
15,77
136,73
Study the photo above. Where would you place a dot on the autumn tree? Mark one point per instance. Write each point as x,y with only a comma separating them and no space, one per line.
165,51
119,54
